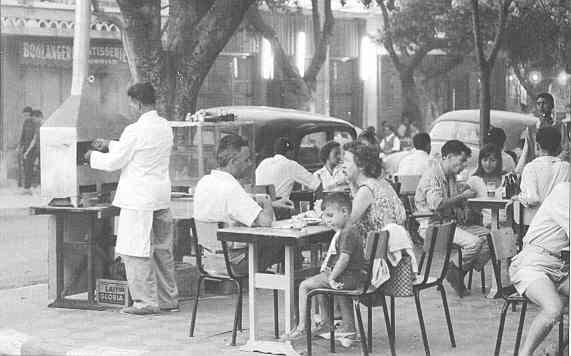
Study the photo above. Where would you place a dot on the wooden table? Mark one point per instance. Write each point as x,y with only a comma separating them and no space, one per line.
291,239
494,205
75,230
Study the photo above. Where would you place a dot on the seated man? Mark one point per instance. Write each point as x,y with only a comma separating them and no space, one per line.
282,171
219,197
546,171
538,272
438,193
418,161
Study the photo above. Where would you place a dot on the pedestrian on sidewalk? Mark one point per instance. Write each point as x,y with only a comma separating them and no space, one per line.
144,237
25,150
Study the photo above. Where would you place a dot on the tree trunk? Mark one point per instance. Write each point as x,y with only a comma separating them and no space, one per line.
410,97
485,102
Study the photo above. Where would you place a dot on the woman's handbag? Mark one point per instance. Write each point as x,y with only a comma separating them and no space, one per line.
402,278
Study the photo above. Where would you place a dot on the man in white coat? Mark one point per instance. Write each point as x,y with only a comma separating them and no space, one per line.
144,237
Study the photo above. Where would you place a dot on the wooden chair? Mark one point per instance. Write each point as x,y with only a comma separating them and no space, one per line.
205,237
376,247
437,247
501,252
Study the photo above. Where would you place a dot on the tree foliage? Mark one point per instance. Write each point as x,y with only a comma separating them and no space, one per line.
538,38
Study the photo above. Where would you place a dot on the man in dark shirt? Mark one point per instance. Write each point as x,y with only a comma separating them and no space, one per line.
25,148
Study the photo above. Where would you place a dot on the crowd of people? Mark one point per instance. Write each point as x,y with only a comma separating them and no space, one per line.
360,198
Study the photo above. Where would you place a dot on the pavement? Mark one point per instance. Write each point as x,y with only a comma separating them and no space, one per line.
29,327
13,201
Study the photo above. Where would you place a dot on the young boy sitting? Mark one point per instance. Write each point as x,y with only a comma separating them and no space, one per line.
341,269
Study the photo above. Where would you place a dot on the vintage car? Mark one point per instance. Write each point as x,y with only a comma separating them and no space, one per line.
464,125
307,131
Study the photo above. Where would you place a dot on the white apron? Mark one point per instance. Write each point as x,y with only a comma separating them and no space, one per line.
134,232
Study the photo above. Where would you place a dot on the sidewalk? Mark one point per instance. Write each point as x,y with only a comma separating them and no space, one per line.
13,202
25,319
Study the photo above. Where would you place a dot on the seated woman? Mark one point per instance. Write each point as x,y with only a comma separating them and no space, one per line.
375,203
331,174
488,176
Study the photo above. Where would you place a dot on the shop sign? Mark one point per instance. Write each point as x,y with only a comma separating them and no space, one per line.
57,52
112,293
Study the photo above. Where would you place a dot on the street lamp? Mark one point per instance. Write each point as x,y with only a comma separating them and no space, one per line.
535,77
562,77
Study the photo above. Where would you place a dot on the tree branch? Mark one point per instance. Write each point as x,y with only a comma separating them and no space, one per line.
105,16
500,31
320,54
478,34
387,37
316,21
442,68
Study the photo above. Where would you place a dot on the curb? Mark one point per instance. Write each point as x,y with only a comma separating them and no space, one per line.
15,343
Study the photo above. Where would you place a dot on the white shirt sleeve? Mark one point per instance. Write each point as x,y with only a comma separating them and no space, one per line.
120,152
396,144
529,194
241,207
303,176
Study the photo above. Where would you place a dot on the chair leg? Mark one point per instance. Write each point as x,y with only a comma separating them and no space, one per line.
365,349
421,322
237,314
483,280
370,324
308,324
447,314
388,325
393,320
276,318
331,323
241,306
421,261
195,307
520,327
560,345
501,328
470,274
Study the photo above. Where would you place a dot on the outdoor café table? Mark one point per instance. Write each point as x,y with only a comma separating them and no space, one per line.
291,239
494,205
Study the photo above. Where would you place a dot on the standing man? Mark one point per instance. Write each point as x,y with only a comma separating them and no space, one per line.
25,150
144,237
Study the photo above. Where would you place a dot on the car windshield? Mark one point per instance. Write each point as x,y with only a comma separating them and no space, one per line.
467,132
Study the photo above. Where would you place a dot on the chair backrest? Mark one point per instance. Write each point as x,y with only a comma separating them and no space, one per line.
437,246
376,246
523,215
408,183
269,189
205,234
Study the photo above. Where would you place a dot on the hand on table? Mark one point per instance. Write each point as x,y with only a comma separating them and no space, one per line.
335,285
468,194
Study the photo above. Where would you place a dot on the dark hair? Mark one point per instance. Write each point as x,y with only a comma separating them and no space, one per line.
365,157
496,136
28,109
547,97
37,113
421,141
142,92
339,199
282,145
549,139
228,147
455,147
326,150
488,151
369,135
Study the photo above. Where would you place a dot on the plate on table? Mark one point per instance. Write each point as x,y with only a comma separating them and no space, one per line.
312,221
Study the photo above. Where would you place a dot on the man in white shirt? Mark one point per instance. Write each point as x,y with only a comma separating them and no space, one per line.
418,161
390,143
543,173
219,197
538,270
282,171
144,237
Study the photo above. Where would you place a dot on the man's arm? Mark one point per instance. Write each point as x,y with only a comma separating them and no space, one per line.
119,153
302,176
529,194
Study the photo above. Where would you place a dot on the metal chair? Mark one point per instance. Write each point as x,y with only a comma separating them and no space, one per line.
438,243
510,295
376,247
206,233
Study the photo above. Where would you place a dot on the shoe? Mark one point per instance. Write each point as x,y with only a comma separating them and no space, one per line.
454,277
140,311
348,339
172,309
